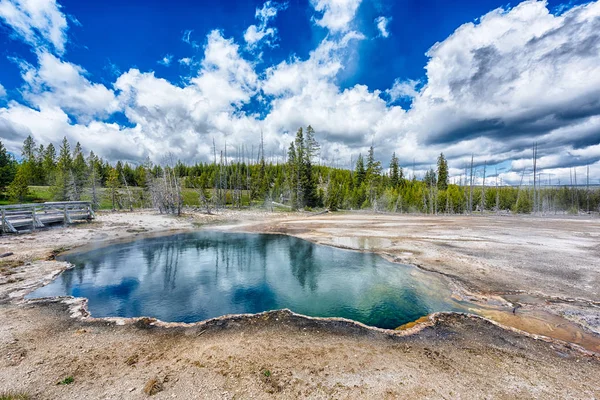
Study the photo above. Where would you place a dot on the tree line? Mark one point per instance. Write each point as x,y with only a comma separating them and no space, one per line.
298,183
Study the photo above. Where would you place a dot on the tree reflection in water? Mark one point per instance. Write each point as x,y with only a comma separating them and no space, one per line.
195,276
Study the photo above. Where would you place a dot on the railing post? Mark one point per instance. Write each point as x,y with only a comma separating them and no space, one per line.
3,221
65,215
33,223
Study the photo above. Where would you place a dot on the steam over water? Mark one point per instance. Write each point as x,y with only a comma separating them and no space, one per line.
194,276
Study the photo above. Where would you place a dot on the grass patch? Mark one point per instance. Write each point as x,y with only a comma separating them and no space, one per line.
14,396
7,264
67,381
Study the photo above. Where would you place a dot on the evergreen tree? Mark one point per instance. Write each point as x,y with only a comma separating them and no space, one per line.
94,180
49,163
41,178
372,177
442,172
28,164
79,172
309,184
360,172
63,181
19,187
394,171
8,167
312,146
430,178
292,176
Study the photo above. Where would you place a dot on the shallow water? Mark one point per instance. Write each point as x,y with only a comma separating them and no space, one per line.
194,276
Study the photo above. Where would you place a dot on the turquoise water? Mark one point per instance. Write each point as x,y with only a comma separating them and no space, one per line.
194,276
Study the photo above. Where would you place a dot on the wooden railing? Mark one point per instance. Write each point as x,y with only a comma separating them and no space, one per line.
18,218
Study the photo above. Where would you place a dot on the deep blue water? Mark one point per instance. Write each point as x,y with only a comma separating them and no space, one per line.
194,276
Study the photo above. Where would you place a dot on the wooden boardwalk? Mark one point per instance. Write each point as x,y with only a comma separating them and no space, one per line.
20,218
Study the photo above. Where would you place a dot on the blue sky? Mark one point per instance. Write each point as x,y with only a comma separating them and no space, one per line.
136,79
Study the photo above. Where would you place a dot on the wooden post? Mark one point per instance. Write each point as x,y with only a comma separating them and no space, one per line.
65,215
33,223
3,221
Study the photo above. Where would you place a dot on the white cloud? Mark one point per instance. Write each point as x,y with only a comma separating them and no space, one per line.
261,33
382,25
516,76
38,22
56,83
491,89
2,91
337,15
166,60
187,38
403,89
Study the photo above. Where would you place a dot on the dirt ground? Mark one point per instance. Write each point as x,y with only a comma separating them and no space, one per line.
548,266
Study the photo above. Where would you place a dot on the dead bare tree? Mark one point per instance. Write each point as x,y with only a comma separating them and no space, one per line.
497,194
165,191
483,188
128,191
471,188
534,177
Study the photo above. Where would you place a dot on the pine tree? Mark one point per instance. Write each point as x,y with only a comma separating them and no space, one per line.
394,171
28,152
309,184
94,180
372,176
292,178
19,187
442,172
312,146
430,178
298,168
41,177
8,167
79,172
360,172
63,182
49,163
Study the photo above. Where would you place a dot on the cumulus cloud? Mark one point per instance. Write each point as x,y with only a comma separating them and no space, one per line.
336,15
492,88
166,60
519,75
40,23
382,25
60,84
2,91
403,89
256,34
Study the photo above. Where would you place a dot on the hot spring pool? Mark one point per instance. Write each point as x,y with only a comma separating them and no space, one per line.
195,276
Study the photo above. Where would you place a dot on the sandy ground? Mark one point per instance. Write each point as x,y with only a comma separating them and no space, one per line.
545,265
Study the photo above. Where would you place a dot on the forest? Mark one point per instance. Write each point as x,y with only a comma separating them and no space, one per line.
58,172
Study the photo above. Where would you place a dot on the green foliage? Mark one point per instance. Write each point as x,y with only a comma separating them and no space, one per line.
19,187
298,183
442,172
395,172
67,381
8,168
